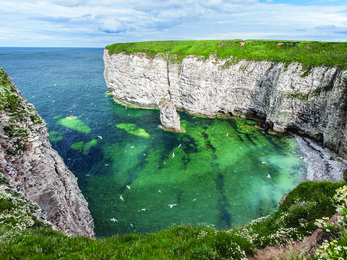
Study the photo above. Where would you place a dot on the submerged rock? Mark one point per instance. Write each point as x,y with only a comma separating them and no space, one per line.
168,115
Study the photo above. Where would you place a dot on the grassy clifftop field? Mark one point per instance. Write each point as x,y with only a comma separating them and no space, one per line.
308,53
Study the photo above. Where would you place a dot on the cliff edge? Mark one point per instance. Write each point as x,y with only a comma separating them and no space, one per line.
29,162
309,101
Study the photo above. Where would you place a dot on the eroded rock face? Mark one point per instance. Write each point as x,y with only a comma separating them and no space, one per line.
30,164
168,115
314,105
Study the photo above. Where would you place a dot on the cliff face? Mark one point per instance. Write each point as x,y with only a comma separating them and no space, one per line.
29,162
280,97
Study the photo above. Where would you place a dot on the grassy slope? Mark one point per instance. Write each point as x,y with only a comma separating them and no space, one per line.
308,201
308,53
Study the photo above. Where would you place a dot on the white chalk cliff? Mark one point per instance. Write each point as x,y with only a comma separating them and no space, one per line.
280,97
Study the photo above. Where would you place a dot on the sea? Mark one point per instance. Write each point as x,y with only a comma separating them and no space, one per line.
138,178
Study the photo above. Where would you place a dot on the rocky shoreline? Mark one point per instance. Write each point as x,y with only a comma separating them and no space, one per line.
321,164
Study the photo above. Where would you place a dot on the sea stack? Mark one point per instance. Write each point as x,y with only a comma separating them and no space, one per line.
168,115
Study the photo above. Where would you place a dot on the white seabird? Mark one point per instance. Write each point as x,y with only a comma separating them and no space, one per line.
128,187
114,220
159,191
268,176
100,136
173,155
263,162
132,147
131,225
171,205
194,199
121,197
227,134
143,209
179,146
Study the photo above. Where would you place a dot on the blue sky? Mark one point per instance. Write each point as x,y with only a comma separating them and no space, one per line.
97,23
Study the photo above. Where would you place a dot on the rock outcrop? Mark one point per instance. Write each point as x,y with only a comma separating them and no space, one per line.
29,162
311,103
168,115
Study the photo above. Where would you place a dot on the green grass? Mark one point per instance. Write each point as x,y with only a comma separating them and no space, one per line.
308,53
303,205
19,111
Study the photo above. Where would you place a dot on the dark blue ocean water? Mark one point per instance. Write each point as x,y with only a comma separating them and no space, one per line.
213,178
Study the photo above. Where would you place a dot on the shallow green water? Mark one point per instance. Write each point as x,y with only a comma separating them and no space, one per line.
215,173
210,179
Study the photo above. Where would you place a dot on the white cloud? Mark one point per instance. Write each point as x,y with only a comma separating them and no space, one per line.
215,2
101,22
112,26
69,3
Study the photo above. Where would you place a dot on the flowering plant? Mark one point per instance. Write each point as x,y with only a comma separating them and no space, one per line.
334,249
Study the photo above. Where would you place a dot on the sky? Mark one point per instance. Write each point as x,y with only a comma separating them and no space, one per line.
97,23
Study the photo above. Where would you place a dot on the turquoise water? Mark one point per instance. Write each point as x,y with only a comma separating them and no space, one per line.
137,177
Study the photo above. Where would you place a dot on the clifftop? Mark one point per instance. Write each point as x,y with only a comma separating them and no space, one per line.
307,53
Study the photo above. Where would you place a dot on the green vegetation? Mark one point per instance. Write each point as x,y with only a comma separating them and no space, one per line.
54,136
10,100
308,53
16,213
19,111
299,96
75,124
132,129
84,147
296,217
